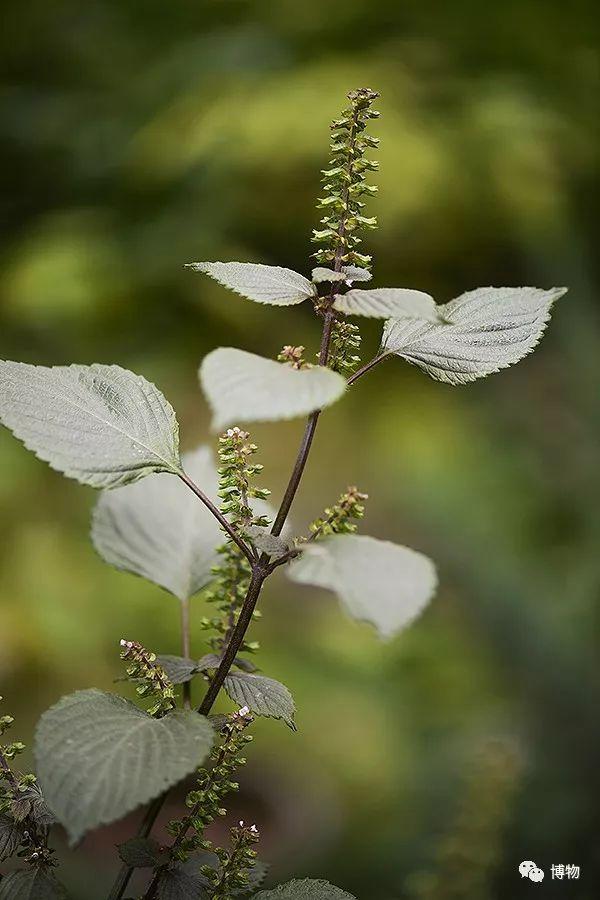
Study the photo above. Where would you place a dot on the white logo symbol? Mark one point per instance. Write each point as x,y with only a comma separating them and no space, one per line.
528,869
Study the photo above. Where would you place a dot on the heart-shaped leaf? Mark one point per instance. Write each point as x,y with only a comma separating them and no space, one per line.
485,330
159,529
264,284
376,581
102,425
387,303
99,756
244,387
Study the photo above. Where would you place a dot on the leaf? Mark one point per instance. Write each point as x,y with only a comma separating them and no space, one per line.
30,802
486,330
35,884
385,303
208,661
264,696
11,836
102,425
243,387
178,883
305,889
377,581
140,853
160,530
99,756
269,543
265,284
178,669
355,273
319,274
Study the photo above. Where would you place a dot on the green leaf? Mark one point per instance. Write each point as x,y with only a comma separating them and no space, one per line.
243,387
270,544
178,668
265,284
99,756
264,696
305,889
485,330
159,529
140,853
35,884
378,582
320,274
178,883
11,836
102,425
355,273
386,303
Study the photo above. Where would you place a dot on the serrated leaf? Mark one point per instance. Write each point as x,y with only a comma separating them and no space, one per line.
159,529
378,582
270,544
208,661
355,273
320,274
264,696
11,835
35,884
140,853
178,668
244,387
387,303
486,330
264,284
178,883
99,756
28,801
305,889
102,425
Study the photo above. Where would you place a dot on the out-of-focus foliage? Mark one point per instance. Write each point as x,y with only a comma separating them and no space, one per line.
137,137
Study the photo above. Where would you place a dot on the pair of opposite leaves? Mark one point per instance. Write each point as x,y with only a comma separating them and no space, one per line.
107,427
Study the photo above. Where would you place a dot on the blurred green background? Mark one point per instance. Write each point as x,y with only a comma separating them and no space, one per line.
139,136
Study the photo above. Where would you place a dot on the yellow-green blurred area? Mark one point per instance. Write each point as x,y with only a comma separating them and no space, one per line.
141,136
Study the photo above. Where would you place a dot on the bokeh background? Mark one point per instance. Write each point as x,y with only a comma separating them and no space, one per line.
139,136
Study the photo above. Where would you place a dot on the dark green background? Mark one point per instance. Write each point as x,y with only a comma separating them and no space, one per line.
138,136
